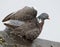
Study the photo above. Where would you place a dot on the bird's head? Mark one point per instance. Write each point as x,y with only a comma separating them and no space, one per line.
43,16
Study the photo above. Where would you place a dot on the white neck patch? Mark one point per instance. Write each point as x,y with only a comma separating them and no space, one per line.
39,20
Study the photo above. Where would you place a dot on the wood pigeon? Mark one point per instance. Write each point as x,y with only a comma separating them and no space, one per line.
30,30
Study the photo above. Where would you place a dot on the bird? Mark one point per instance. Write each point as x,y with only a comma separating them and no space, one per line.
20,17
30,30
23,14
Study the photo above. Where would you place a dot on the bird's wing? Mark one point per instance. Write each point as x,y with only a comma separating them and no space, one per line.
28,29
24,13
10,26
27,25
8,17
16,22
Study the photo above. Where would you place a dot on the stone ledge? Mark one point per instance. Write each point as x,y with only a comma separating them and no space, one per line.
36,43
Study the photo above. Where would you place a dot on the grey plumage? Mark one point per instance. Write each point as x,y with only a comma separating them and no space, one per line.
43,16
29,30
23,14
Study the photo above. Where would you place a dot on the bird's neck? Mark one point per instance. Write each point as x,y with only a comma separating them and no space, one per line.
41,25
